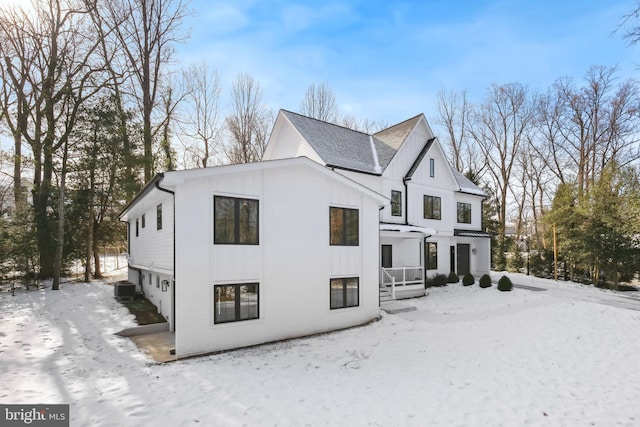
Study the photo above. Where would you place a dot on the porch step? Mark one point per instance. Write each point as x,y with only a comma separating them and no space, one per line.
385,294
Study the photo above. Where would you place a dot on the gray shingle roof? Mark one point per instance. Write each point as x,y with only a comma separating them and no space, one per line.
342,147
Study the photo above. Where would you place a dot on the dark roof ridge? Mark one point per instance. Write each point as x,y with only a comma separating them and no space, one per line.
328,123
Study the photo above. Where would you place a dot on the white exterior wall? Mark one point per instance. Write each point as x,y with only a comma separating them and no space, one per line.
151,251
476,211
289,144
292,264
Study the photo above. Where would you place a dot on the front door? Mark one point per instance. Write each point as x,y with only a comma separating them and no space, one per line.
463,259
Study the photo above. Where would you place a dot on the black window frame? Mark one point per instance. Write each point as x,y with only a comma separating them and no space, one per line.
159,217
428,209
344,284
431,255
143,220
432,167
396,203
137,228
237,302
464,213
236,222
340,222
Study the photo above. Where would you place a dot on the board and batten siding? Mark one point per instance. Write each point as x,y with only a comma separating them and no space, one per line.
152,248
290,144
293,262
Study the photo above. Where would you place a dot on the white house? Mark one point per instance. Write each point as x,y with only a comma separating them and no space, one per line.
239,255
433,223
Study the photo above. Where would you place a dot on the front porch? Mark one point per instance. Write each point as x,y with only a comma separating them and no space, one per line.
402,261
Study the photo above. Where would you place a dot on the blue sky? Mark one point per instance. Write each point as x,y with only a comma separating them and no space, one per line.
387,60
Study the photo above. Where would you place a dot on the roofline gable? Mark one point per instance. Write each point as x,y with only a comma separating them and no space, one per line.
172,179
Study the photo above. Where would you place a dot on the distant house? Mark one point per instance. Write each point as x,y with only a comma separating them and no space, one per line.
433,222
239,255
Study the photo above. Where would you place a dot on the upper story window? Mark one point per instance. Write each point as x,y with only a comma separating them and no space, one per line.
432,207
137,227
143,221
464,213
235,221
344,226
232,303
396,203
432,168
159,217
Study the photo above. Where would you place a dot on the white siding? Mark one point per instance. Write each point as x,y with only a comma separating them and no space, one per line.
292,264
289,144
152,249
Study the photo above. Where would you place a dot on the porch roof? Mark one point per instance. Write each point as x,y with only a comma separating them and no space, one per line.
470,233
402,228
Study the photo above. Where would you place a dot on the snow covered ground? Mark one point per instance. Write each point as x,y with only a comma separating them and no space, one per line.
563,356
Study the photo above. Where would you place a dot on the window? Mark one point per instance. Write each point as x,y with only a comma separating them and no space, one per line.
235,221
396,203
344,292
157,281
143,221
431,252
432,168
159,217
464,213
432,206
344,226
387,256
233,303
137,228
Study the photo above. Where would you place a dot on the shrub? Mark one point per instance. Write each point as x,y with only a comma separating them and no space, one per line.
504,284
468,279
453,278
485,281
437,280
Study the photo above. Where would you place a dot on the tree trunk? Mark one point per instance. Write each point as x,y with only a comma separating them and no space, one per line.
60,242
96,258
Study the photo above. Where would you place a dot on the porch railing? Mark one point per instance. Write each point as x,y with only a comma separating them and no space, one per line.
389,280
402,276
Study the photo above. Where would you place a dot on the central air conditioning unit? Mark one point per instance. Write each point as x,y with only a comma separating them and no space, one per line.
124,289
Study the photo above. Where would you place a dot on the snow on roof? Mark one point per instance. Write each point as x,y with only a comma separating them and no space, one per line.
408,229
395,135
342,147
466,185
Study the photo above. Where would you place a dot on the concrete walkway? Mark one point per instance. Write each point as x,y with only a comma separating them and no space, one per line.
156,340
158,345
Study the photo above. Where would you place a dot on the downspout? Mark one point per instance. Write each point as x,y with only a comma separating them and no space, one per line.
379,258
406,200
173,287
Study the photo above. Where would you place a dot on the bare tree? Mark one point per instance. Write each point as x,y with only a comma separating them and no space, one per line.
500,126
586,127
453,114
16,101
147,31
53,45
248,123
320,103
201,122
